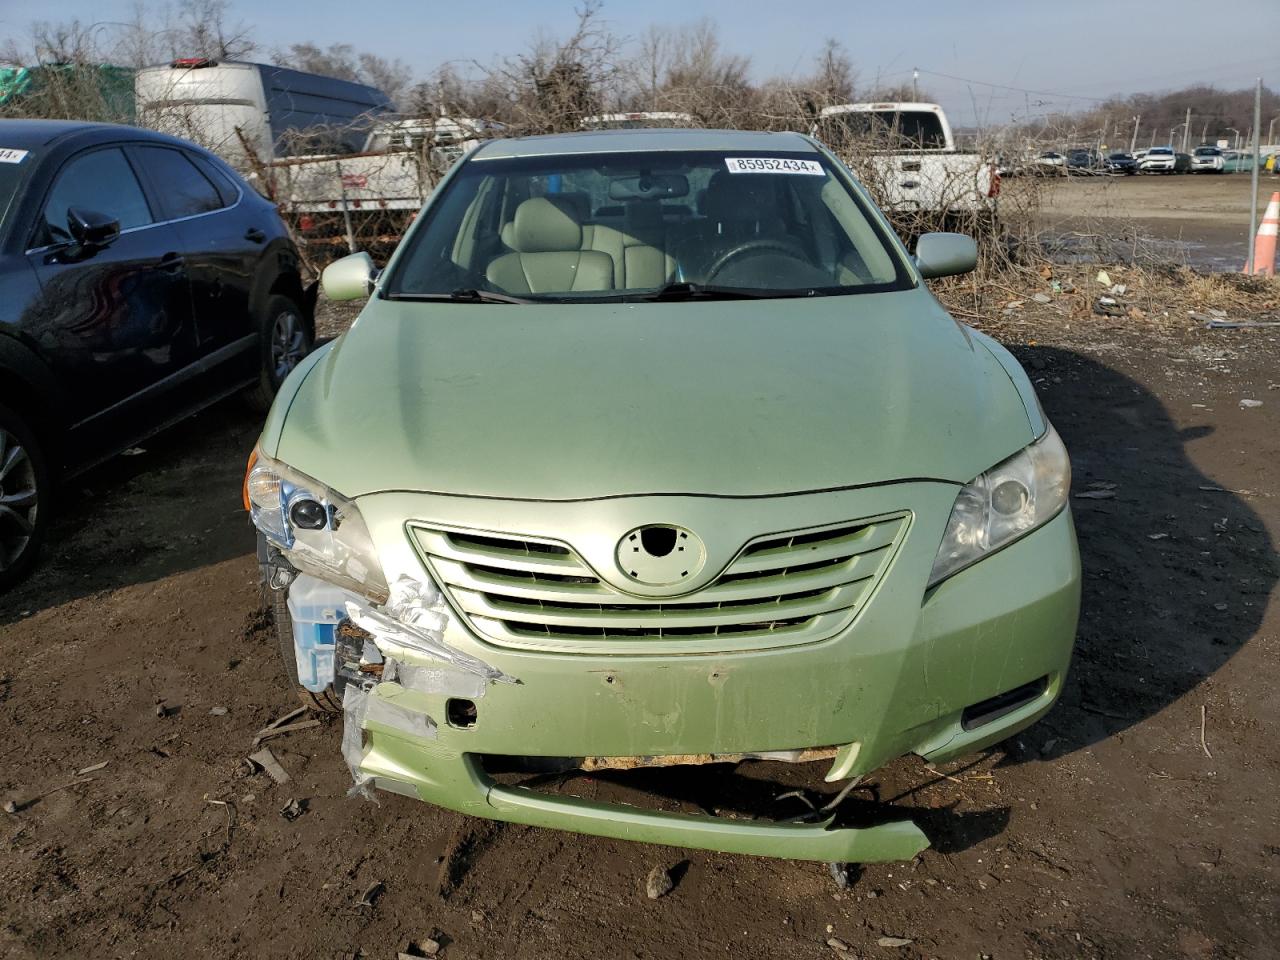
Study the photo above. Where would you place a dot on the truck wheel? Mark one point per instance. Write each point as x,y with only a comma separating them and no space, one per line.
24,498
325,702
285,338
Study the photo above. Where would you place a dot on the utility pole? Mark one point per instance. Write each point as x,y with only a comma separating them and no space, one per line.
1186,131
1253,199
1271,130
1133,143
915,84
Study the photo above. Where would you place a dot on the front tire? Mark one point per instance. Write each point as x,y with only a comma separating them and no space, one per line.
285,339
24,496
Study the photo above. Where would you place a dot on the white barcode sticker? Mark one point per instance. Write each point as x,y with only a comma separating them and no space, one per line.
773,165
9,155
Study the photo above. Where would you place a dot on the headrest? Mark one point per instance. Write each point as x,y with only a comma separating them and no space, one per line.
544,225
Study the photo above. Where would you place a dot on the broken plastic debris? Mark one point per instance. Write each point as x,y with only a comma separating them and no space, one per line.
438,680
389,713
414,617
355,703
1104,278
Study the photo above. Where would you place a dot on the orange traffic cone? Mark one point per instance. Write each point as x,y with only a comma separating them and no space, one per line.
1263,260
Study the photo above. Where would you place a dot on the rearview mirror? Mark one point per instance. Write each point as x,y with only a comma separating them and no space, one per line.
649,186
90,229
350,278
945,254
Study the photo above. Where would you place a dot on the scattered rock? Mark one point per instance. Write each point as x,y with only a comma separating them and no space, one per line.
10,807
1049,745
893,942
1250,404
293,810
217,711
1220,607
1157,536
1042,298
838,945
426,947
658,883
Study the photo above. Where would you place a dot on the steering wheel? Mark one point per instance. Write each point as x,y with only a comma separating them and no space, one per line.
784,247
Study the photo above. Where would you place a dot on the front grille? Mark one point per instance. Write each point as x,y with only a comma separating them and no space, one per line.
780,589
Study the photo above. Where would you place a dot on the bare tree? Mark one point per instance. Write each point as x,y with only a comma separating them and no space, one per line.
834,78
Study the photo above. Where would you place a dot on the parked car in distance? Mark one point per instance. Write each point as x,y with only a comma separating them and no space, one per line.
140,280
1206,159
1237,161
1158,160
1083,160
1121,163
1049,162
763,470
638,120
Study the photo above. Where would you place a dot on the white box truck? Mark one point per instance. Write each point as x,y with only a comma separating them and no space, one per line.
232,107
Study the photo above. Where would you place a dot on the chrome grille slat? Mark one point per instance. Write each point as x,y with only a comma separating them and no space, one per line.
876,535
674,615
780,589
781,582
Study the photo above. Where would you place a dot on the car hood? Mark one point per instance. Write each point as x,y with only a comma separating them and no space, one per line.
734,398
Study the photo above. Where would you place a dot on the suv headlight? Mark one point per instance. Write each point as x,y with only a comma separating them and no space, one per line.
320,531
1004,503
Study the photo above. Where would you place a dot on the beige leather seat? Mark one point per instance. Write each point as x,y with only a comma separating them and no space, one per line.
549,256
639,261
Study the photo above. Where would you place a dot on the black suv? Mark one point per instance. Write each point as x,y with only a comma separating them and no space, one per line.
141,279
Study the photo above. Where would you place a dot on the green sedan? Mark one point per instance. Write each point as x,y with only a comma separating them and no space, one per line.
652,448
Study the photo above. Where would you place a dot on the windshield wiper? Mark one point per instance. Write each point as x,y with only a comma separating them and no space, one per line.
461,296
702,291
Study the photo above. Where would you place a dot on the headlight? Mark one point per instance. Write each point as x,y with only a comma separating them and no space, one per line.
319,530
1003,503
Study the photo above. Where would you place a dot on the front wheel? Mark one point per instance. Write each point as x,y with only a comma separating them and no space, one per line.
24,494
285,340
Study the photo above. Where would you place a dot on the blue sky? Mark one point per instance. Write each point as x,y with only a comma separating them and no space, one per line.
1077,49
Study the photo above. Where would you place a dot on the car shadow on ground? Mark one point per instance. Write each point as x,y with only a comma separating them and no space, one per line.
1177,568
171,504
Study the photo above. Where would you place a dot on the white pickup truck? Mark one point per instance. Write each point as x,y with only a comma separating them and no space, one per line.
906,155
402,160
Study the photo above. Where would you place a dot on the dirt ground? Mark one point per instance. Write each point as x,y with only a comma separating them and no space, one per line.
1138,820
1198,219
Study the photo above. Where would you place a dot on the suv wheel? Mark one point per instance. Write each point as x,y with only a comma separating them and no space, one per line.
24,486
285,340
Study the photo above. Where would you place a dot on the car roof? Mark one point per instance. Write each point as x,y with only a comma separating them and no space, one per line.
643,141
32,134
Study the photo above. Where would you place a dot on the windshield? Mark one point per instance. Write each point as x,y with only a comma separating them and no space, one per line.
622,226
886,129
1159,152
11,174
1208,152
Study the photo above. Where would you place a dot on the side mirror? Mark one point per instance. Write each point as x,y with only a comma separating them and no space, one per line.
90,229
350,278
945,254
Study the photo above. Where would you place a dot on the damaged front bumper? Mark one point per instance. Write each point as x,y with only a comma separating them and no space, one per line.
938,673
